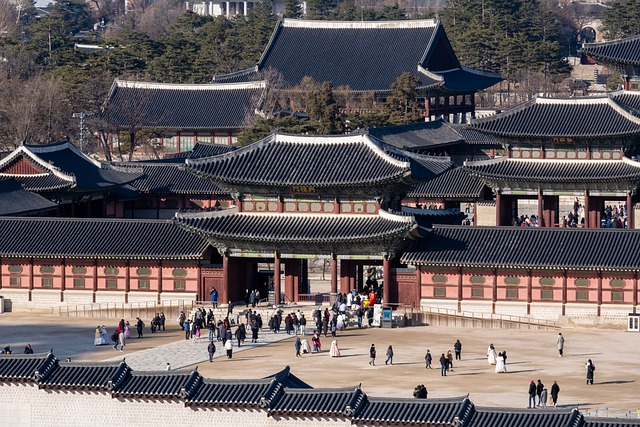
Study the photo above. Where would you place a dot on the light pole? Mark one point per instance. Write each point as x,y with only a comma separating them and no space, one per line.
83,127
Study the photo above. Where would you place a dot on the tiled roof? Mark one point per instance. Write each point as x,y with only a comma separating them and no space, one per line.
412,411
301,48
153,384
476,247
98,238
181,106
86,376
300,160
622,51
472,136
229,392
312,401
549,171
627,99
553,117
42,183
21,367
89,174
455,182
496,417
159,178
608,422
420,136
14,200
295,228
426,218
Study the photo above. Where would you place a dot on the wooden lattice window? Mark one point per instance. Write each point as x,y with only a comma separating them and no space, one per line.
439,291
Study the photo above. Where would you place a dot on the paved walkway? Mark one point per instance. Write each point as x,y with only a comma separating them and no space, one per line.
184,353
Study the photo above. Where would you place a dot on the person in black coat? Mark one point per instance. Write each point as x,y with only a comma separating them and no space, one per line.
539,388
591,367
372,355
444,364
532,395
555,389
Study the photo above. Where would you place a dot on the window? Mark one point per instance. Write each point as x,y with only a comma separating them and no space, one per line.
478,280
144,271
327,207
547,281
112,284
15,281
170,143
222,140
582,296
78,282
582,283
617,296
512,294
477,292
440,292
546,295
179,285
316,207
204,139
79,270
179,272
143,284
187,142
616,283
15,269
47,269
346,208
439,278
512,280
47,282
110,271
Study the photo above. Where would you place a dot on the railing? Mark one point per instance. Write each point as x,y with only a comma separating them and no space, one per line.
491,316
318,298
602,412
120,309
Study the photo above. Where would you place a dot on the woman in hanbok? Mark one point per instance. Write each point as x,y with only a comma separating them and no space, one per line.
500,366
105,335
305,347
127,330
491,355
98,336
335,351
341,324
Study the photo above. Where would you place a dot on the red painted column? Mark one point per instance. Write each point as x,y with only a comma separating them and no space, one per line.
540,209
494,293
334,274
63,282
160,280
386,273
30,278
564,292
498,209
529,291
599,291
345,268
587,222
630,219
95,279
460,293
276,278
223,294
127,283
0,273
288,281
635,291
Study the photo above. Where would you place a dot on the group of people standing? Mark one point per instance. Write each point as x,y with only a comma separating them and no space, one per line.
497,359
540,392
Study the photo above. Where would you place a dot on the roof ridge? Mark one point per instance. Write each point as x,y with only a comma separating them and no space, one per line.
133,84
407,23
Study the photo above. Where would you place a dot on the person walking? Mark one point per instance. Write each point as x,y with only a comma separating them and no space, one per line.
214,297
544,396
560,343
591,367
539,388
450,360
298,346
303,325
389,356
187,329
444,364
427,359
140,327
458,349
241,334
229,347
372,355
555,389
211,348
532,395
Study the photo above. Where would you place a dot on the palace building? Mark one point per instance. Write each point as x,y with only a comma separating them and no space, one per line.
620,55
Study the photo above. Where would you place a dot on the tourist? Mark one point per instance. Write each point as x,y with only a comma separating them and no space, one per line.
196,335
591,367
504,357
305,346
28,349
163,320
121,329
317,346
212,329
213,293
543,398
298,346
222,329
334,351
389,356
428,359
444,364
539,388
127,330
105,335
372,355
560,343
211,348
98,336
532,394
181,319
303,324
420,392
288,324
241,334
458,349
500,366
450,361
255,327
168,367
491,355
229,347
360,314
187,329
555,389
139,327
253,298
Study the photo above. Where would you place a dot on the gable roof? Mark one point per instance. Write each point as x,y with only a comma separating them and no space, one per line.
181,106
475,247
621,51
419,136
455,183
98,238
588,117
282,160
169,178
365,56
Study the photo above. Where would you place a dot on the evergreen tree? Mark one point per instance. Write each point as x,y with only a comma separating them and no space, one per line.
402,105
292,9
621,19
323,110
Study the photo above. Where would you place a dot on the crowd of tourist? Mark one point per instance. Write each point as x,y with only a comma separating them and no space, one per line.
613,216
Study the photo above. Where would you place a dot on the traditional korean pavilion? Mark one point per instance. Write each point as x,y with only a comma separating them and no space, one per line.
301,197
574,147
621,55
183,113
367,57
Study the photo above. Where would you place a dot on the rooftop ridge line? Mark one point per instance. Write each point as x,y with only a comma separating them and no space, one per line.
417,23
23,150
132,84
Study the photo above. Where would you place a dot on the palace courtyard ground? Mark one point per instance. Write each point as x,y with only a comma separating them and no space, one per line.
532,355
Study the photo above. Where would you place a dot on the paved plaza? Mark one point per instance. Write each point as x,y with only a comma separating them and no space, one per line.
531,355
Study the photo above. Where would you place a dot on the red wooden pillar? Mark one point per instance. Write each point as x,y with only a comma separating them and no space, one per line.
564,292
587,222
30,279
276,278
296,278
630,218
127,281
459,288
498,209
599,291
288,281
95,279
345,268
201,297
386,273
494,293
0,273
635,291
540,209
223,294
63,281
529,291
334,274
